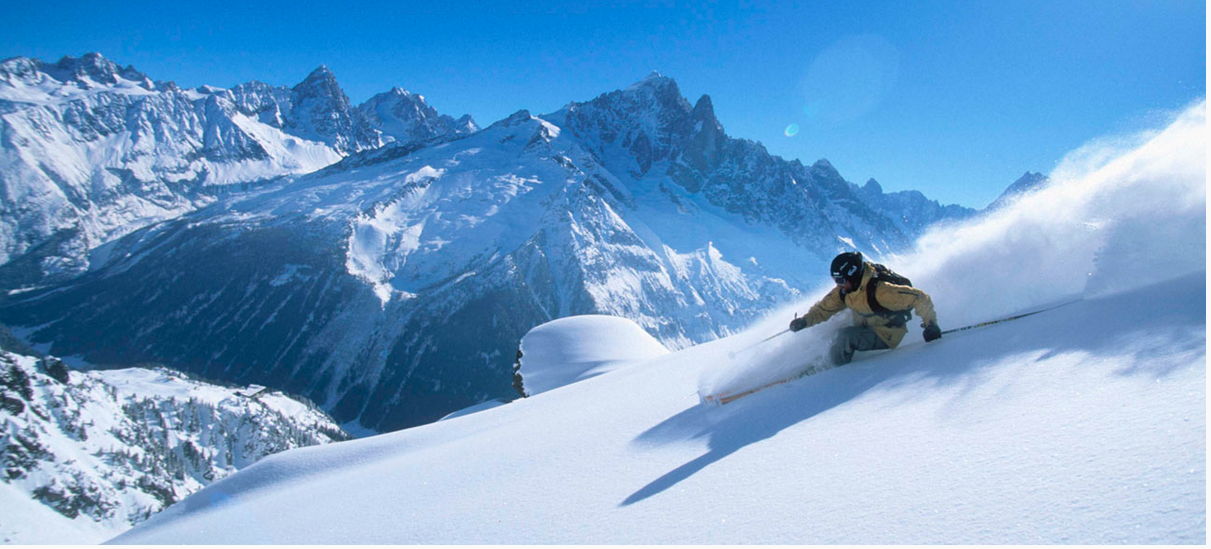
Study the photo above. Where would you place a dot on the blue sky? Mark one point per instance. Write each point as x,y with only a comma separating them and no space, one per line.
955,99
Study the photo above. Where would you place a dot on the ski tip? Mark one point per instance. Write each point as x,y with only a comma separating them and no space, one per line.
708,400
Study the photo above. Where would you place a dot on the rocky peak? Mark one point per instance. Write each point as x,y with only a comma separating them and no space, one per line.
92,65
706,137
321,83
653,79
658,91
395,99
1030,181
92,68
649,118
465,124
270,104
872,187
519,117
16,69
825,169
322,111
704,111
403,117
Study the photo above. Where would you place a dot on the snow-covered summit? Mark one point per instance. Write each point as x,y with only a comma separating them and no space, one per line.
322,112
405,117
84,73
648,133
653,80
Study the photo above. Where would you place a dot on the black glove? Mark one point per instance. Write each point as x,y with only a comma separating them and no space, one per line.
798,323
932,332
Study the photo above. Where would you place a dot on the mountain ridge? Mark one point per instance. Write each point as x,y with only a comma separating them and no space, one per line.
92,151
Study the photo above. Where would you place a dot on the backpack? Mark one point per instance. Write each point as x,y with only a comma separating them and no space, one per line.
883,274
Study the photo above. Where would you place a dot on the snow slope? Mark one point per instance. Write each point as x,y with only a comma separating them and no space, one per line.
1083,424
1076,426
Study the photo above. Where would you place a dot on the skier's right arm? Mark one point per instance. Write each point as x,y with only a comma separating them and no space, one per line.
824,309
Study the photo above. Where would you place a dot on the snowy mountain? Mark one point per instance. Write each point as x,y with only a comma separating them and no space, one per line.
88,454
1083,424
393,287
403,117
911,211
1028,183
649,136
321,112
90,151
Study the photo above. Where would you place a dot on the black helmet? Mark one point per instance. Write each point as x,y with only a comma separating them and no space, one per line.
847,266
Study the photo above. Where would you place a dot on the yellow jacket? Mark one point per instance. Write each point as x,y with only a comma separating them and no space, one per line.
890,296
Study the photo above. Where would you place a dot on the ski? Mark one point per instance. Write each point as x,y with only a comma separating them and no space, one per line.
719,400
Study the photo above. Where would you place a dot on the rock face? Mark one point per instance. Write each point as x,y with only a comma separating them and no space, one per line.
107,449
393,287
90,151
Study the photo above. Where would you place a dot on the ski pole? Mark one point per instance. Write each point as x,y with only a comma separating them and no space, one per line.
1007,319
732,354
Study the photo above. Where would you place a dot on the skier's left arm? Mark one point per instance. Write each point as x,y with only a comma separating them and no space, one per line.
903,298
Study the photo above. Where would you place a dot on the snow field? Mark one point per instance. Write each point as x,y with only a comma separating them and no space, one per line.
1017,433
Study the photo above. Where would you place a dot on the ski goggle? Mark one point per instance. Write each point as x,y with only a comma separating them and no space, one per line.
840,280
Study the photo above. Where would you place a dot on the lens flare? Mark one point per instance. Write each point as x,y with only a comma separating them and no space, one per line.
850,79
792,130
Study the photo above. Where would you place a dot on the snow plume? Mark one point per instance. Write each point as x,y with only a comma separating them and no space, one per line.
755,362
1119,214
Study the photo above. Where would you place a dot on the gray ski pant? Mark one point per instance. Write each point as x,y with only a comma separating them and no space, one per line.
854,338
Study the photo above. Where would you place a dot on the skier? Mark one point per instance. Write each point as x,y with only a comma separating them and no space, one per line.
880,300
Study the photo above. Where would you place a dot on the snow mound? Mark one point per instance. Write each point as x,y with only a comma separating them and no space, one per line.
575,348
488,405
